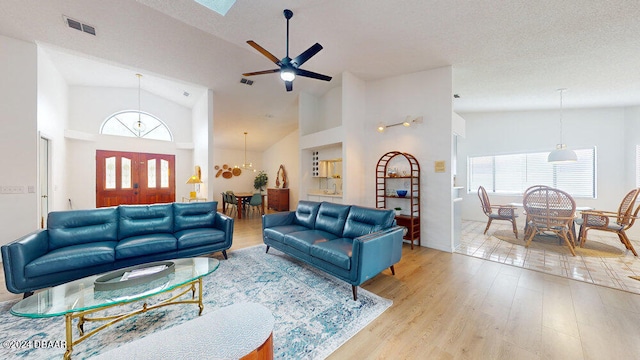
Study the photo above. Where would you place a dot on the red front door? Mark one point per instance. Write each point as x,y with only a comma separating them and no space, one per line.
134,178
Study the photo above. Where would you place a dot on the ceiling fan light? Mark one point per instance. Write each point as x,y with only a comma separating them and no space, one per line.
287,75
562,155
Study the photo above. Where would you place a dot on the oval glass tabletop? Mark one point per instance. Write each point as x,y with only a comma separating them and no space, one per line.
80,295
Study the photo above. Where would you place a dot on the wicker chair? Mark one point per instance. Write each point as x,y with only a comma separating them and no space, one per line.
550,210
504,212
528,190
601,220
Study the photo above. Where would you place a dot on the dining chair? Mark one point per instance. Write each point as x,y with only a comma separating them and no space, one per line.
616,222
232,202
503,212
524,212
255,202
550,210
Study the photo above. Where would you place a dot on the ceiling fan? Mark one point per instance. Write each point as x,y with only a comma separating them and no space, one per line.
289,67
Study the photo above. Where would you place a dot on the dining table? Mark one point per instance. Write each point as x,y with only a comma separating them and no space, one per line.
573,226
243,197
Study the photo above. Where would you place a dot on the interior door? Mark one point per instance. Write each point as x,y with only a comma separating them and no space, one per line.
134,178
44,181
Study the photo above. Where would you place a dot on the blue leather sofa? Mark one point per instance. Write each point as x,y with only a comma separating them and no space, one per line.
352,243
80,243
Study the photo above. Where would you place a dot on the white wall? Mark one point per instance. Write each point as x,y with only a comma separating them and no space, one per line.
202,125
90,106
356,144
285,152
242,183
531,131
18,137
53,112
427,94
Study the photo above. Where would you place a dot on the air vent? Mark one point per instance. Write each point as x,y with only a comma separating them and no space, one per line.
246,81
75,24
89,29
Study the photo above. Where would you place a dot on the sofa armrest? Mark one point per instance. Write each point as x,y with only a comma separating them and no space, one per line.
278,219
17,254
224,223
372,253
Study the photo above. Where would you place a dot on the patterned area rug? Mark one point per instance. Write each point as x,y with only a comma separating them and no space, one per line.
314,313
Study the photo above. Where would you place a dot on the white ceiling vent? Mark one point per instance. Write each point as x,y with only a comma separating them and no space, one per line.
75,24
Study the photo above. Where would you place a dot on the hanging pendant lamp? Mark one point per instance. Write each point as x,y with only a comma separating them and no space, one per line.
561,154
139,127
246,165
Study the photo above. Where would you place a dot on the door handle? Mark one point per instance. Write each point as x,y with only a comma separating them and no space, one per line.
44,196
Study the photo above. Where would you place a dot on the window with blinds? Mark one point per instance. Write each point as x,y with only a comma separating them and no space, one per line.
514,173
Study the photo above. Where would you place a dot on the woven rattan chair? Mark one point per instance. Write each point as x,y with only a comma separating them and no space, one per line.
617,222
528,190
550,210
503,212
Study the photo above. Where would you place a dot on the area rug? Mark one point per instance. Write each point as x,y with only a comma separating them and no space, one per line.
592,248
314,312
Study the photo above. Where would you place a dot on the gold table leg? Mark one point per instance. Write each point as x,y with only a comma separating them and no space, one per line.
112,319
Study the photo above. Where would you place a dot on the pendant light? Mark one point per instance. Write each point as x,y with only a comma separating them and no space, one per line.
139,127
561,154
246,165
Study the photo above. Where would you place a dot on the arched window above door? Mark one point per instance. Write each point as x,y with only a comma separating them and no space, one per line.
133,123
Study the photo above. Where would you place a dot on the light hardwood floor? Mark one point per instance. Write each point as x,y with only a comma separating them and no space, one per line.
452,306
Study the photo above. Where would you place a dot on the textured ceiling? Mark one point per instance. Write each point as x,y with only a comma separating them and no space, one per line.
505,55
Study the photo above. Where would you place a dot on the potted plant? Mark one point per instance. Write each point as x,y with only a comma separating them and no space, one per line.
260,181
398,211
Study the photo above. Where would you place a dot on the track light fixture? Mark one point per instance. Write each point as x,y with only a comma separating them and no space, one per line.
408,121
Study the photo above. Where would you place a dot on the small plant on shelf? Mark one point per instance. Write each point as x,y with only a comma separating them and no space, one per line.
398,210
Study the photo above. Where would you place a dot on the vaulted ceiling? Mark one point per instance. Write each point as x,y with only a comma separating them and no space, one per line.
505,55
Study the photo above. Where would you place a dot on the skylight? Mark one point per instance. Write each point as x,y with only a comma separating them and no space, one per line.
219,6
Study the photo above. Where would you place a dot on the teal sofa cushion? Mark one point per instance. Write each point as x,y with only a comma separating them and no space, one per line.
138,220
66,228
194,215
76,257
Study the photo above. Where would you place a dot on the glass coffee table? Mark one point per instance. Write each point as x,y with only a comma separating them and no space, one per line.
79,299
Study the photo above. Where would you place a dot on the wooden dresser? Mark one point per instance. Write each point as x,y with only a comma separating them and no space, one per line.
278,199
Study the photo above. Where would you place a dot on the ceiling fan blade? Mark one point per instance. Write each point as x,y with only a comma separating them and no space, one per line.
288,85
261,72
306,55
264,52
313,75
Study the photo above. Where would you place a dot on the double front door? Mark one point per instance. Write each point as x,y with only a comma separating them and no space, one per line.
134,178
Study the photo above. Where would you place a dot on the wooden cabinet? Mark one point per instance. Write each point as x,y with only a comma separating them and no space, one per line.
278,199
400,171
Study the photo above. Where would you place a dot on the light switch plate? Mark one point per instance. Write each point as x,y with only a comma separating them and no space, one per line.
5,189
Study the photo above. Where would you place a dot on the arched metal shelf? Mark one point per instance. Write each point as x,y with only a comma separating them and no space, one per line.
412,220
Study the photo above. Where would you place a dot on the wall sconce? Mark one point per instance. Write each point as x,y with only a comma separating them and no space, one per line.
408,121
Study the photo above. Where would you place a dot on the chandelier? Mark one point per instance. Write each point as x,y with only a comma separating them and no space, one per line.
246,165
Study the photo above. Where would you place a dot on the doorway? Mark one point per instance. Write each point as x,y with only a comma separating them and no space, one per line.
134,178
43,170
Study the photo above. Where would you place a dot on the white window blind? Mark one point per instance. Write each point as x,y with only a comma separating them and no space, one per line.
513,173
